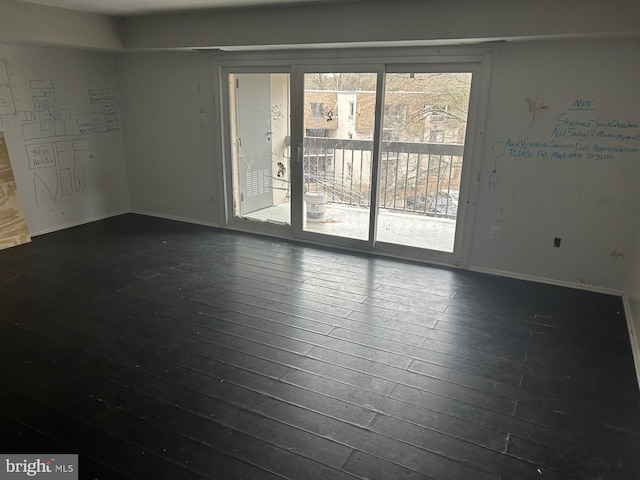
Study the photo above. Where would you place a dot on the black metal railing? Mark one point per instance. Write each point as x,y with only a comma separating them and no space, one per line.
414,177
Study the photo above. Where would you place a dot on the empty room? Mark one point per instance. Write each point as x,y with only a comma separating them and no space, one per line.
318,239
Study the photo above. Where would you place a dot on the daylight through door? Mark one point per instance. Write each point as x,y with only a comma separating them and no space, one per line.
260,151
424,127
378,152
339,115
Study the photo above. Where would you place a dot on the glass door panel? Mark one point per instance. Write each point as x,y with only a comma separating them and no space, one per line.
337,146
424,125
260,146
378,154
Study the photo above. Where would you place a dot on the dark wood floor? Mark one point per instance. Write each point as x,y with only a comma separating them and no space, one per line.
160,350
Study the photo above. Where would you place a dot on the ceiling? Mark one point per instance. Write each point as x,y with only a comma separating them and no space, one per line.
142,7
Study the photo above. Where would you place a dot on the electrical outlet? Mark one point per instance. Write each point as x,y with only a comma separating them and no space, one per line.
556,242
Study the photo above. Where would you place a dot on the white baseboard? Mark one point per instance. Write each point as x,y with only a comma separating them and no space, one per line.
176,218
549,281
633,338
78,223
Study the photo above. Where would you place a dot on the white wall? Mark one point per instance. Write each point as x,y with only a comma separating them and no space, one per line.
31,24
591,204
59,112
169,143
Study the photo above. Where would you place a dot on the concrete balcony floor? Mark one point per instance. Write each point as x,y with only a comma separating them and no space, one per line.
410,229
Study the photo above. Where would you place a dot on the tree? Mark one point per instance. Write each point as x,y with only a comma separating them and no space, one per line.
340,82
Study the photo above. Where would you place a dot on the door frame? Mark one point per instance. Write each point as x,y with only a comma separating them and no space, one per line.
474,59
470,167
227,210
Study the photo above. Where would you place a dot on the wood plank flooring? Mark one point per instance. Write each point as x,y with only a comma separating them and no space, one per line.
161,350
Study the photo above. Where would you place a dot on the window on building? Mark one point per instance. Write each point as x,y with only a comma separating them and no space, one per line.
317,132
395,112
436,136
317,110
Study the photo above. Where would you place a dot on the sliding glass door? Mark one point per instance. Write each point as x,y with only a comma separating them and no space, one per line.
370,156
414,160
337,152
424,127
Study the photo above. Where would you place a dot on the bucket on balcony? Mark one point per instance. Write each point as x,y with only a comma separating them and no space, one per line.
316,206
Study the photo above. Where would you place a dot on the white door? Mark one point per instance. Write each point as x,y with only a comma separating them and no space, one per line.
253,140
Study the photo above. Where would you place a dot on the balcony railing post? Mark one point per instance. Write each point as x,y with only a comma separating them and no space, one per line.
417,177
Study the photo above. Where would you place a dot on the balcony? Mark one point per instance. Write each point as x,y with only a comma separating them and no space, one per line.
418,184
416,178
